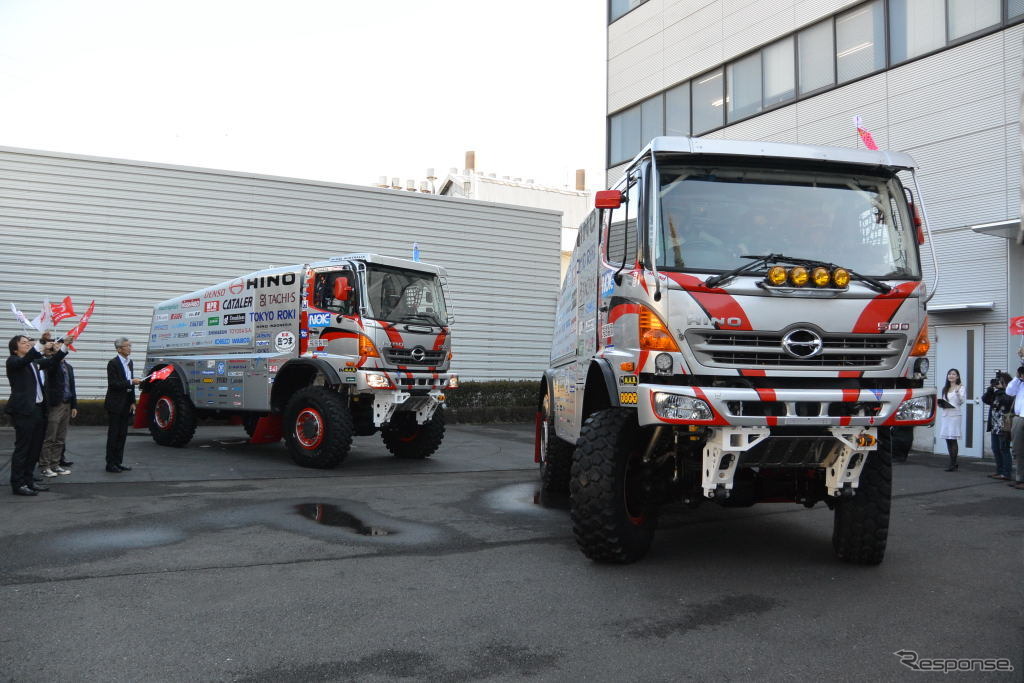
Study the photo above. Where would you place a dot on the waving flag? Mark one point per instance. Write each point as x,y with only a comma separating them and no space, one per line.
162,373
77,330
62,311
865,136
21,317
42,321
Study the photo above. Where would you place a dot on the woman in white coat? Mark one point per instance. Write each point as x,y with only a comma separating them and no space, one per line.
952,397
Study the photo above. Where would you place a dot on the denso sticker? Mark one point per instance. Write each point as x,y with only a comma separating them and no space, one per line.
284,341
319,319
190,303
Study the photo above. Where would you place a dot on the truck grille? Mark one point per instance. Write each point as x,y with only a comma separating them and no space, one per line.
730,349
414,356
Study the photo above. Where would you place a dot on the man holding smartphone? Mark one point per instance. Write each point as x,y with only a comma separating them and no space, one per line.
1016,389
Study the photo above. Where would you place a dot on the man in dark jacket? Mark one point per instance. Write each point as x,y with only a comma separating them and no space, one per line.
62,405
119,403
27,408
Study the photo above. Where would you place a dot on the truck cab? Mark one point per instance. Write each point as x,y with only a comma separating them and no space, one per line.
740,322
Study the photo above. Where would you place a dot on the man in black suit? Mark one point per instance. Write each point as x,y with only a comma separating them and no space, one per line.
61,405
119,403
27,408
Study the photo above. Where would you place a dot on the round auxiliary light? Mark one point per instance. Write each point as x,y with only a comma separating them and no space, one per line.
841,277
776,276
820,277
798,276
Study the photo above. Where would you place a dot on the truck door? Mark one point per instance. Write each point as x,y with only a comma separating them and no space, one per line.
331,320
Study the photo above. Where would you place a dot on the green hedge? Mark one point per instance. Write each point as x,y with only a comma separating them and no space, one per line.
471,403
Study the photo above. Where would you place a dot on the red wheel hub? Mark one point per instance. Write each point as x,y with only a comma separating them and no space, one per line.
309,428
163,412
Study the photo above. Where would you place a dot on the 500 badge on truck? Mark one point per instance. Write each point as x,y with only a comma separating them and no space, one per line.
740,322
314,354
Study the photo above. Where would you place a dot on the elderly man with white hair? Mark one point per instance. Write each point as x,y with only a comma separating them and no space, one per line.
119,403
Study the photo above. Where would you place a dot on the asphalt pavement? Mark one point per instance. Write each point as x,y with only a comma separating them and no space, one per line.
225,561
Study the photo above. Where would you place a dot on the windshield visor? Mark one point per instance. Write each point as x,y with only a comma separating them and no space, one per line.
711,218
405,296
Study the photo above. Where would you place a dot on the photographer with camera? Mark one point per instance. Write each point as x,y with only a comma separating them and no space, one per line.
1016,389
1000,416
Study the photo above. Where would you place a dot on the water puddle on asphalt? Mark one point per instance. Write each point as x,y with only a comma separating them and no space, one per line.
332,515
525,498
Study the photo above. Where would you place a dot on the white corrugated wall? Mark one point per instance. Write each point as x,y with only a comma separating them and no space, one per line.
129,234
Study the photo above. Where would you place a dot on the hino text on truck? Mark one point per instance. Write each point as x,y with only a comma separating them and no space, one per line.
316,353
740,322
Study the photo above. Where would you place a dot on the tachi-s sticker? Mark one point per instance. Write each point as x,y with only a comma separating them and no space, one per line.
284,341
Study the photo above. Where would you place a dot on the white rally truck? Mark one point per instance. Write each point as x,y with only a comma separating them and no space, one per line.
740,322
316,353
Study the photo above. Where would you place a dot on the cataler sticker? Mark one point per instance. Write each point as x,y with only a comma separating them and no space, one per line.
284,341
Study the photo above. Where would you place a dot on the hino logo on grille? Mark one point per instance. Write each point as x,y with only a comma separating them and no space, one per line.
802,344
418,354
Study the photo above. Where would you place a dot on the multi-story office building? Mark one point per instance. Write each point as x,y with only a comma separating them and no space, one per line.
938,79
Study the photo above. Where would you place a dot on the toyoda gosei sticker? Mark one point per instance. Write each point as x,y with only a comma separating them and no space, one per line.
284,341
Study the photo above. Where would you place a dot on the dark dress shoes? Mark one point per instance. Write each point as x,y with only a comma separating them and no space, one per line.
66,463
23,490
38,487
124,468
114,468
36,479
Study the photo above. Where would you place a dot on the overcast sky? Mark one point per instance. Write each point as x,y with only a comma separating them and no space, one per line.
338,90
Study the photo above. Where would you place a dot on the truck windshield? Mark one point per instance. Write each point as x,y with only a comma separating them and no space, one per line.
711,217
409,296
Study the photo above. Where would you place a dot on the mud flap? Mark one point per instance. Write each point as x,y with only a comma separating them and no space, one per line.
142,409
268,430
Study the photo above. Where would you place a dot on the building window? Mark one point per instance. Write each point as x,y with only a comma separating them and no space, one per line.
779,79
677,110
625,135
915,28
817,67
708,97
652,120
1014,9
744,83
970,16
860,41
616,8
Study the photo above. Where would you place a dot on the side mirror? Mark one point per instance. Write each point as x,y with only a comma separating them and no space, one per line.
607,199
342,289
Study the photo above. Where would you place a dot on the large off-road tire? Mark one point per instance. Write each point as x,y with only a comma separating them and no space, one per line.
406,439
861,525
172,420
614,513
555,454
317,427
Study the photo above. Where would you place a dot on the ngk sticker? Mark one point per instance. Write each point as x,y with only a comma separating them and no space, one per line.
284,341
319,319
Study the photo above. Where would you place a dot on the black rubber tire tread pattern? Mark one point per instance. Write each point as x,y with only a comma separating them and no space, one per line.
600,521
183,428
861,523
556,458
427,439
337,427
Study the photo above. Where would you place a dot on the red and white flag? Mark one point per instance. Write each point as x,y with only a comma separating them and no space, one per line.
77,330
1017,325
42,321
865,136
162,373
62,311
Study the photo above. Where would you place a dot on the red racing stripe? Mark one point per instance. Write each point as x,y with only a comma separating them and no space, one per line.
851,395
393,335
883,307
621,310
766,394
850,373
753,373
717,303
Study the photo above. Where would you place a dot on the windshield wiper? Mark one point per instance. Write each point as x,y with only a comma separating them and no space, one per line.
430,317
760,261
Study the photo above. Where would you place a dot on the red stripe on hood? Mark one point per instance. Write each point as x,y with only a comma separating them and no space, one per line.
621,310
883,307
393,335
717,303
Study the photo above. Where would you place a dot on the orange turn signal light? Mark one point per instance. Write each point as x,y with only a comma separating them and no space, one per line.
654,334
627,367
921,344
366,347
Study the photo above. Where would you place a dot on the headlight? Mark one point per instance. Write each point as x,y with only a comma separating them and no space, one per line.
377,381
798,276
821,277
915,409
453,382
676,407
841,278
663,364
921,367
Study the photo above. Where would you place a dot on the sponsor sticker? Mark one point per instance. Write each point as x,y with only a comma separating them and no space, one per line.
234,319
190,303
211,306
213,321
628,379
628,398
284,341
221,367
319,319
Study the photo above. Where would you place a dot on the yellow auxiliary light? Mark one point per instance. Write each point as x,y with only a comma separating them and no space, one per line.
776,276
820,276
798,276
841,277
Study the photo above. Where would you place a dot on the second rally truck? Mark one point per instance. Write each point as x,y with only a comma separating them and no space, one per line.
315,353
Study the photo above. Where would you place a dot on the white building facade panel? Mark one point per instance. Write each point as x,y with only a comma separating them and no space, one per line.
130,234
